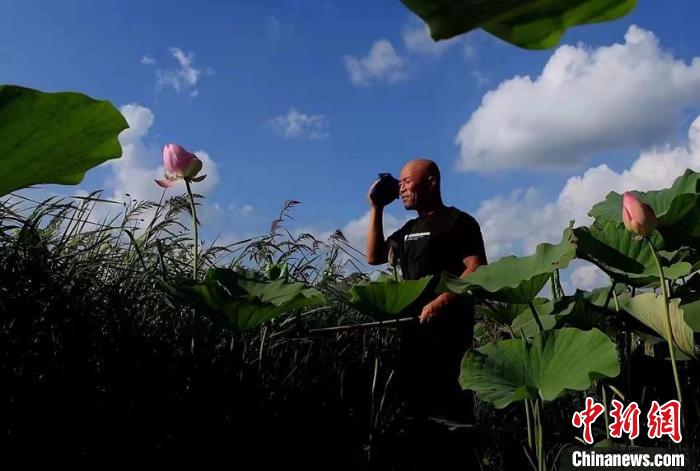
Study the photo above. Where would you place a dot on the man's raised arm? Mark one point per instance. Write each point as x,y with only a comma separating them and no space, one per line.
376,248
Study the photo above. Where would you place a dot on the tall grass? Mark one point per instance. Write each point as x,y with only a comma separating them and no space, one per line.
99,363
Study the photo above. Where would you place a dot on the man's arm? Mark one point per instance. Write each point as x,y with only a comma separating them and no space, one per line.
376,248
471,263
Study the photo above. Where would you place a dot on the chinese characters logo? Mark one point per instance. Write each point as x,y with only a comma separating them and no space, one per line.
664,419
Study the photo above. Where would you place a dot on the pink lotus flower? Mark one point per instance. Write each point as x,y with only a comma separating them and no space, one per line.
638,217
179,165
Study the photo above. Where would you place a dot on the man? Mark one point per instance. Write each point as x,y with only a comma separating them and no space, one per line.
440,239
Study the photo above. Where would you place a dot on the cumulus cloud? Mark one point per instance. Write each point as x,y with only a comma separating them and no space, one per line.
355,231
381,63
588,277
506,231
585,101
300,125
184,78
245,210
147,60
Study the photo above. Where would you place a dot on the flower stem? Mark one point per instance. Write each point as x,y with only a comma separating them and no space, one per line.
194,228
536,316
667,319
605,408
529,427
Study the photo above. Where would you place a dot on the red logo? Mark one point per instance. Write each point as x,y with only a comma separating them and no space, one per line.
624,420
665,420
661,420
586,418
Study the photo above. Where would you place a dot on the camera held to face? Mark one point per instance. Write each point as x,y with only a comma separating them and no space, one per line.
386,190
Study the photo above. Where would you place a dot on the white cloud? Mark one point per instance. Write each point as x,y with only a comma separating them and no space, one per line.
183,78
381,63
147,60
355,232
588,277
516,223
245,210
296,124
585,101
417,40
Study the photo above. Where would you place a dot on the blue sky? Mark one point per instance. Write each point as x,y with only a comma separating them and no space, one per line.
369,91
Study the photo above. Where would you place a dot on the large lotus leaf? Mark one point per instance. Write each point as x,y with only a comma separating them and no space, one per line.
387,298
572,311
627,260
529,24
684,233
525,325
677,209
516,279
524,322
599,296
53,137
649,310
241,309
691,311
669,204
506,313
557,360
690,304
276,292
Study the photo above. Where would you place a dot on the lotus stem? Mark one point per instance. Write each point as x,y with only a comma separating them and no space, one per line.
372,414
667,319
539,446
605,408
536,316
540,412
553,287
529,426
561,288
194,228
261,351
613,283
367,325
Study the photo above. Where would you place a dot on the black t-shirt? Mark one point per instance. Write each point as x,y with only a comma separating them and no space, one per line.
431,353
437,242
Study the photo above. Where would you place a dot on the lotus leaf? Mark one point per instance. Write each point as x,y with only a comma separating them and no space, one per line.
387,298
648,308
528,24
557,360
677,209
53,137
241,303
616,251
516,279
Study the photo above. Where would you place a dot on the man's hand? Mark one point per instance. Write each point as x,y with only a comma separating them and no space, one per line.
372,204
436,306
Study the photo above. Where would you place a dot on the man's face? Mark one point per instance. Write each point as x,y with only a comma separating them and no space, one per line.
412,186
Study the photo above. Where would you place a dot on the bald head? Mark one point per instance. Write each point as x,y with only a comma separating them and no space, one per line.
422,168
420,184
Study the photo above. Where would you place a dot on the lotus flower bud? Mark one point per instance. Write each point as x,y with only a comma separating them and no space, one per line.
638,217
179,164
